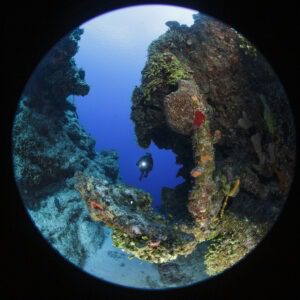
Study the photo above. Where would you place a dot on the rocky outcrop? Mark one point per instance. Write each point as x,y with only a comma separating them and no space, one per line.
243,99
207,94
57,77
49,143
137,229
50,146
207,89
180,107
65,224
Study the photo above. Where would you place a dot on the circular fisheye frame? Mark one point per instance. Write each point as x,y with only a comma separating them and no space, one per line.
154,147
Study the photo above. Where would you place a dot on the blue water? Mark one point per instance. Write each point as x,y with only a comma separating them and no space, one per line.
113,51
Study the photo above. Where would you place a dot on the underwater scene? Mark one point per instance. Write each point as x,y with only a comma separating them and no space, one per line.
154,147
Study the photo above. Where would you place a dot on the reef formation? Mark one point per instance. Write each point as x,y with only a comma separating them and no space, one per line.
208,95
211,97
49,146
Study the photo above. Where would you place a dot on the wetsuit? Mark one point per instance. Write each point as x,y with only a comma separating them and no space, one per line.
145,164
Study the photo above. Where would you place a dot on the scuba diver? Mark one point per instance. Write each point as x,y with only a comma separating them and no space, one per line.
145,164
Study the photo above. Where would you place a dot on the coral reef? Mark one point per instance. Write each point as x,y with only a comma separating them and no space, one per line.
137,229
181,108
65,223
208,95
217,114
161,72
50,145
243,92
57,77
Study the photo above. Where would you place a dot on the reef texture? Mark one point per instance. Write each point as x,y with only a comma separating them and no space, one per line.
232,245
49,143
137,229
210,96
65,223
50,146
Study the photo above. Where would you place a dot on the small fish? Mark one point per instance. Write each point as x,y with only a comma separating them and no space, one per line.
199,119
197,171
205,158
96,205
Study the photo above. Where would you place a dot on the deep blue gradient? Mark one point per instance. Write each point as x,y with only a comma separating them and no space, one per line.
113,51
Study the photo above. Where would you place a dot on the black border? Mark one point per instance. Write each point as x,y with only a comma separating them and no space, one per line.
30,269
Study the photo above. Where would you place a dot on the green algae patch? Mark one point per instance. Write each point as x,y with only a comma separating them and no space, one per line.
162,69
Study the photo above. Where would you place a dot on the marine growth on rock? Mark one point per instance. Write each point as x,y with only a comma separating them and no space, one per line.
206,94
221,110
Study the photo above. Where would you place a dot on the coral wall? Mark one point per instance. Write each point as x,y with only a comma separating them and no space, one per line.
49,143
49,146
